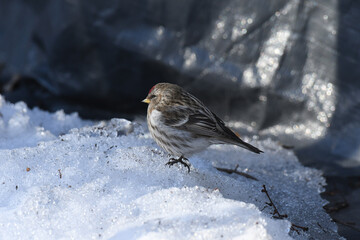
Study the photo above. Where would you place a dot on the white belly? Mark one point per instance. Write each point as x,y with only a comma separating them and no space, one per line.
174,141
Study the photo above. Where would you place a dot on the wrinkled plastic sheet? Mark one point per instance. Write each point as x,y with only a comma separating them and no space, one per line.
283,69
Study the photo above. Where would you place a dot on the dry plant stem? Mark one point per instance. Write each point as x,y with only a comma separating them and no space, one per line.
277,215
336,206
350,225
294,226
321,227
230,171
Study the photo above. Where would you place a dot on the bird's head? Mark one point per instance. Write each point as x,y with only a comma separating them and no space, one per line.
161,92
153,95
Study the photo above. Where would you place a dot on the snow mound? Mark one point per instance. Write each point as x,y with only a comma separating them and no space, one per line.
110,181
22,127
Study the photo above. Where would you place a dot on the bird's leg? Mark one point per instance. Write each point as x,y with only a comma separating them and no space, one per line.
172,161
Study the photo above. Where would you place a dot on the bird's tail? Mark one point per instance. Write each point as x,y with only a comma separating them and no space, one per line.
247,146
237,141
233,137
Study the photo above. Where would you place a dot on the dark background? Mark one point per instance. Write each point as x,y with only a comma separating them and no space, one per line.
289,70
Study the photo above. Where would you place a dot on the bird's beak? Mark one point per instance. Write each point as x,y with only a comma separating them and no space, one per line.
146,101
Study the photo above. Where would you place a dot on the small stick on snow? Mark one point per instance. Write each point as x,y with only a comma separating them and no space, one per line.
335,207
230,171
321,227
293,227
347,224
277,215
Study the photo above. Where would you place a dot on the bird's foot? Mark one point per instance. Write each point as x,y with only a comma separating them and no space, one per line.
172,161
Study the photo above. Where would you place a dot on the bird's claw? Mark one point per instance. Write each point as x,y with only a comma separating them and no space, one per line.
172,161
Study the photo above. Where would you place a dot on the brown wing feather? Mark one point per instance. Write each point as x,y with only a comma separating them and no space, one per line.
201,122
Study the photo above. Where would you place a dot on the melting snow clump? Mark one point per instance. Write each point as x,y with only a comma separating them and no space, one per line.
64,177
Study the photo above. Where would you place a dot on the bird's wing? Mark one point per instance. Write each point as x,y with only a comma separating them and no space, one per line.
203,123
199,121
175,116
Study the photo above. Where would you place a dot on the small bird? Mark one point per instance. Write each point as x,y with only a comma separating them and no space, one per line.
182,125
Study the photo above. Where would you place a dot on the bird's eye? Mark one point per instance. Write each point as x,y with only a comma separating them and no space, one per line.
151,96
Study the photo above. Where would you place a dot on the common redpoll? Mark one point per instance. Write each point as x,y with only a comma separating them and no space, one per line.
182,125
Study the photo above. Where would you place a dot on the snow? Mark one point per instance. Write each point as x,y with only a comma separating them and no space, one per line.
22,127
65,178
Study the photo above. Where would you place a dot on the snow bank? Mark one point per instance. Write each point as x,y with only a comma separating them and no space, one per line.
109,181
22,127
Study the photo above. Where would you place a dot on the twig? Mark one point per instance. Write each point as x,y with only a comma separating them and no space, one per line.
287,146
335,207
271,204
294,226
348,224
263,208
321,227
277,215
60,174
230,171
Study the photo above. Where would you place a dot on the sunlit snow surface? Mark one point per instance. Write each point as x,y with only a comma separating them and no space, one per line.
108,180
